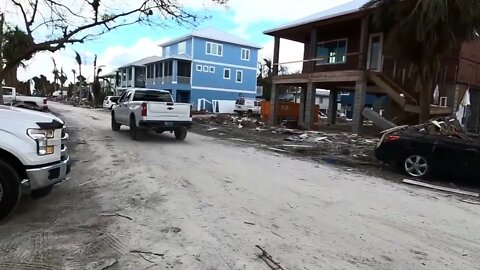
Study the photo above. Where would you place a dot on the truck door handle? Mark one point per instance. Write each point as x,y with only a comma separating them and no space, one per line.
169,108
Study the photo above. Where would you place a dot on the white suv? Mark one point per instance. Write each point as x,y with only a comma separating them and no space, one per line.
109,101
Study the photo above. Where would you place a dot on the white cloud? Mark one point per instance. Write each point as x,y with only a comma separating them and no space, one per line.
290,51
111,58
253,11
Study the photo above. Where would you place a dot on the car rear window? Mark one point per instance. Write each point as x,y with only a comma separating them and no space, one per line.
240,102
156,96
114,99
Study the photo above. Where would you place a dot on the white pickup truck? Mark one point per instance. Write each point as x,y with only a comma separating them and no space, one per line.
143,109
10,97
33,155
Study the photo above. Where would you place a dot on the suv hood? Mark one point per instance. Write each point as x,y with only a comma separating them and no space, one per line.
13,114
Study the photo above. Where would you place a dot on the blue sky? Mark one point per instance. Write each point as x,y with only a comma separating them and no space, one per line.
246,18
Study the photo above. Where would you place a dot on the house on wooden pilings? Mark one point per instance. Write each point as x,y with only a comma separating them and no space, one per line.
344,52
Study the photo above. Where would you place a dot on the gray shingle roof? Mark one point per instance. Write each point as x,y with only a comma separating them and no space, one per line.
347,8
214,34
142,62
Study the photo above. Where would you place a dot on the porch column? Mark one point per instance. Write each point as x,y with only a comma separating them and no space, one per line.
163,72
362,57
332,107
133,77
312,49
272,121
154,73
276,55
174,71
301,107
310,105
358,105
273,95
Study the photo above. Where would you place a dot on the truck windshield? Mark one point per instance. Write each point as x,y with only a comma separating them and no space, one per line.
156,96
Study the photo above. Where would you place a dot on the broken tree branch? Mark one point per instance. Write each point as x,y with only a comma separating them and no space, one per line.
147,252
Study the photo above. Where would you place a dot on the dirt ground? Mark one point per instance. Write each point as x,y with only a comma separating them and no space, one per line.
205,204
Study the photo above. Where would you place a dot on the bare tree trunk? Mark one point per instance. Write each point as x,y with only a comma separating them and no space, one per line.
2,20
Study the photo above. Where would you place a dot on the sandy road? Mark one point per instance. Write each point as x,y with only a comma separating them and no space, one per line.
205,204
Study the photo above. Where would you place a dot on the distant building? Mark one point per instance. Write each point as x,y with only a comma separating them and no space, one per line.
199,68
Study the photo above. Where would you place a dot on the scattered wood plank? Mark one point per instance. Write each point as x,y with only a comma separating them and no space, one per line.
249,223
268,259
277,150
447,189
117,215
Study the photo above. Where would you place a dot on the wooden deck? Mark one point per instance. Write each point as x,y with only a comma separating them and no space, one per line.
319,77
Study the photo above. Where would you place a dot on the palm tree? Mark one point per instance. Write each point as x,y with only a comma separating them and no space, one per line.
423,32
63,78
78,58
55,75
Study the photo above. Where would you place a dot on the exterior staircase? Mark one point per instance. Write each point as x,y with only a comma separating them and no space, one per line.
405,99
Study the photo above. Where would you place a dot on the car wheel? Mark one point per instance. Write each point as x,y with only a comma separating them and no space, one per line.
181,134
417,166
133,128
249,113
10,190
115,126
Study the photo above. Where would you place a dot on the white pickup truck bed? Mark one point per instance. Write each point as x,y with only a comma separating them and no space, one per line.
141,109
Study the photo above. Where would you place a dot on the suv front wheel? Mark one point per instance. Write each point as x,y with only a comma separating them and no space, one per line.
9,189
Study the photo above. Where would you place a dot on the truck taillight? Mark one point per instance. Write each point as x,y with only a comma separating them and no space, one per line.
391,138
44,101
144,109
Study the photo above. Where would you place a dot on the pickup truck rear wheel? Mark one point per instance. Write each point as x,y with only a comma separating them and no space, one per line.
133,128
115,125
181,133
10,190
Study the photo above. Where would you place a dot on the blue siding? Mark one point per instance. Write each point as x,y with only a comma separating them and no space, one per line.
174,48
216,80
232,54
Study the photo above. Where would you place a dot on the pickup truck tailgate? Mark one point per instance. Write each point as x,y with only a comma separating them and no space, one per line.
163,111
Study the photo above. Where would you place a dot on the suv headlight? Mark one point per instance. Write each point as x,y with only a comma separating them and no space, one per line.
41,137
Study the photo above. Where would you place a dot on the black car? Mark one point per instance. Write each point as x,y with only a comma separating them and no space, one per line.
420,153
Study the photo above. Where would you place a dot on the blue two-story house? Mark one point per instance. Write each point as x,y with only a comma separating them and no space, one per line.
205,65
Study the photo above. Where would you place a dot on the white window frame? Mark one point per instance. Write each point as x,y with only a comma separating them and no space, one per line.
318,63
212,69
212,44
229,73
205,68
241,76
199,68
380,56
183,46
245,52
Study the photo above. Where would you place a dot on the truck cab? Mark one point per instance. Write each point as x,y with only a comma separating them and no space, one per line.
11,97
33,155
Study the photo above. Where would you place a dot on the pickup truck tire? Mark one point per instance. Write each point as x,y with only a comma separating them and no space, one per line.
115,126
180,133
10,190
133,128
